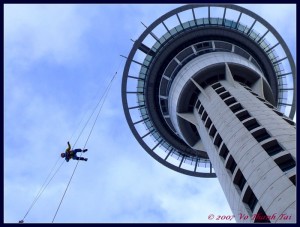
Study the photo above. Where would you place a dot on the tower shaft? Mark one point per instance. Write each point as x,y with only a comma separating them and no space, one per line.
252,150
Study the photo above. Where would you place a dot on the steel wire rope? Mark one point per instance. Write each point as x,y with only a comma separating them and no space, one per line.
96,106
84,116
43,187
104,96
45,184
83,148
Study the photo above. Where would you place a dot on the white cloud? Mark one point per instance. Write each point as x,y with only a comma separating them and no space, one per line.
37,31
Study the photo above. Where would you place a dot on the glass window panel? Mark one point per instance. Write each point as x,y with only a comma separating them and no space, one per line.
143,111
140,89
227,23
200,21
192,23
142,75
156,135
149,125
143,70
186,25
173,31
167,35
179,28
162,39
220,21
233,24
213,20
241,27
156,45
263,44
141,97
253,35
148,58
153,49
141,83
272,56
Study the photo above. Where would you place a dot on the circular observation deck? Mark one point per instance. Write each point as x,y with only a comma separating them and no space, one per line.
174,40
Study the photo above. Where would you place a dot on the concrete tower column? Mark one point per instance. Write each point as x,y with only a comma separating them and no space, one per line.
252,150
250,145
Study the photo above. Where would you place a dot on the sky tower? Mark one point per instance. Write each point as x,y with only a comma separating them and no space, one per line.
214,96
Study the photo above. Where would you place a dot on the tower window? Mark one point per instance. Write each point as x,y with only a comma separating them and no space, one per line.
212,131
216,85
197,104
218,140
230,101
272,147
224,151
236,107
261,134
278,112
250,199
231,164
289,121
246,87
201,109
208,123
204,116
243,115
261,216
260,98
293,179
285,162
253,93
269,105
224,95
251,124
239,180
220,90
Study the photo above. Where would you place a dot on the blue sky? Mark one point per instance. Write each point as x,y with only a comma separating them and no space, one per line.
58,59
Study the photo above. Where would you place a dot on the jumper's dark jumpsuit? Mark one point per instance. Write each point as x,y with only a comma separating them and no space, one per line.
71,154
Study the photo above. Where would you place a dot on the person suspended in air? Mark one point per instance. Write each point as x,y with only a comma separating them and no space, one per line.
72,154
